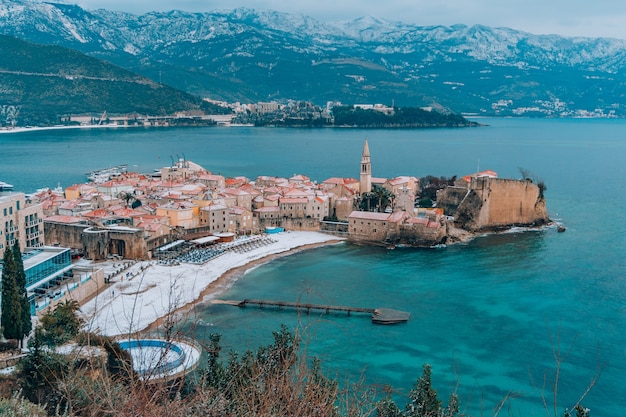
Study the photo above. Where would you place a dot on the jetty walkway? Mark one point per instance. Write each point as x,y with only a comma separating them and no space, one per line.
379,315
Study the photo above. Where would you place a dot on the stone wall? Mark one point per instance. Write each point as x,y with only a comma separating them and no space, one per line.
335,228
419,235
495,203
300,224
98,243
371,230
66,235
449,199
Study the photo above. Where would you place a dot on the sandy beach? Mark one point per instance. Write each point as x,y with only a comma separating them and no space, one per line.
145,293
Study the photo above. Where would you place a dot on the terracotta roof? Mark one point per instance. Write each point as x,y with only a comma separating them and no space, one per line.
235,192
238,210
488,173
64,219
388,217
267,209
150,226
99,213
369,215
300,200
178,205
336,180
214,207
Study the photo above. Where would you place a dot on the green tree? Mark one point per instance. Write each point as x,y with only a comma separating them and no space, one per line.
62,324
11,316
378,199
20,282
424,401
40,370
387,407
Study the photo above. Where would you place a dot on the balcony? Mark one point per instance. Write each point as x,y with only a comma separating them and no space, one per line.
33,235
34,222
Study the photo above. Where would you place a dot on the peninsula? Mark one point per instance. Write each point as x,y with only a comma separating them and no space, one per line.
101,234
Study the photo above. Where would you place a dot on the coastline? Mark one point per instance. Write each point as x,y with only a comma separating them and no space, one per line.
41,128
225,281
148,296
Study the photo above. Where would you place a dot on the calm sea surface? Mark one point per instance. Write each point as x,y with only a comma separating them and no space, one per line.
488,315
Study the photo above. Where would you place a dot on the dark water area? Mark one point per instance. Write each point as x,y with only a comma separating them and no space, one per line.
487,315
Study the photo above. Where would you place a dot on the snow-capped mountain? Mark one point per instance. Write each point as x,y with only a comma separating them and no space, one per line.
249,54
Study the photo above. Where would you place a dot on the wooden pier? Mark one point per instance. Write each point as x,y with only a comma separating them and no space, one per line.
379,315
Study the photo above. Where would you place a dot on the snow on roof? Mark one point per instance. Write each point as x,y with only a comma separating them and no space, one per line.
237,210
297,200
267,209
214,207
369,215
63,219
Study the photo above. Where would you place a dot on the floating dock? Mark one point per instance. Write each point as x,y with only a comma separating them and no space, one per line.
379,315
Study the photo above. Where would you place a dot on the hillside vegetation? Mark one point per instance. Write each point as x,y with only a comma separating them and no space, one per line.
41,84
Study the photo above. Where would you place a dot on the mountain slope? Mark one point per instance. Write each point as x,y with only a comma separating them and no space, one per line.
252,55
39,84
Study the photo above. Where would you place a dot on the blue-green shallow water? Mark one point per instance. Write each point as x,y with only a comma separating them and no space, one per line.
483,314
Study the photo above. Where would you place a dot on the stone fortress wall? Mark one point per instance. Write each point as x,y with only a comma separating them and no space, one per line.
494,203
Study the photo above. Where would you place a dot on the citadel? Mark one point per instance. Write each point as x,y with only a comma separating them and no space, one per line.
131,216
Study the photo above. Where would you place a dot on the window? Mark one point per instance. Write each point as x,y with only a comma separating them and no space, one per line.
17,205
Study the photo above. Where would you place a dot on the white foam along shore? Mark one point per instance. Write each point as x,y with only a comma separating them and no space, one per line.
148,291
39,128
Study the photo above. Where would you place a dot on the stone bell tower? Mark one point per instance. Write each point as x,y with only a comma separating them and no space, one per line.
366,170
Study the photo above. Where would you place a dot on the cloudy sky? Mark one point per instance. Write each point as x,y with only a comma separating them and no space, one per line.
595,18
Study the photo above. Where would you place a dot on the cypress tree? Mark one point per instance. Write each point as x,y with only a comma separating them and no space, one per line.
20,282
11,316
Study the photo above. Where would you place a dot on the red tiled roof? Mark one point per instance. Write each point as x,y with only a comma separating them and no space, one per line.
267,209
369,215
301,200
340,181
488,173
63,219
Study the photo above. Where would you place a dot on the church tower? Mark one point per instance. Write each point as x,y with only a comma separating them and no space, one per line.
366,170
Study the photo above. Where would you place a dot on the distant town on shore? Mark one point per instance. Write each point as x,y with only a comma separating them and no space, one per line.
294,114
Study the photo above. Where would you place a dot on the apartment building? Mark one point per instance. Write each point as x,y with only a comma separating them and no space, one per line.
20,222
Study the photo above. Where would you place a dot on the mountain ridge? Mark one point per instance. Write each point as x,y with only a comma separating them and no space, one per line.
247,54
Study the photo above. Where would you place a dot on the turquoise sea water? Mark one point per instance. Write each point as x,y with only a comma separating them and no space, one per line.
487,315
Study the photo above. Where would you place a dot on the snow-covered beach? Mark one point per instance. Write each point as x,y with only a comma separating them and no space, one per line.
41,128
147,291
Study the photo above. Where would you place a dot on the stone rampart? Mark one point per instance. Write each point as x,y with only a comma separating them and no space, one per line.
65,235
98,243
449,199
300,224
495,203
419,234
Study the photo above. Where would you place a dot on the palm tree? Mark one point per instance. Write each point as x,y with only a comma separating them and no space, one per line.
127,197
383,196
